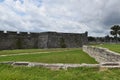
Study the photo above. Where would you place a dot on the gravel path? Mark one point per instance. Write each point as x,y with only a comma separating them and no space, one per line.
24,53
32,53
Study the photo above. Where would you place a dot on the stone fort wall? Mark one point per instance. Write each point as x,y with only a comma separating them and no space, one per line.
24,40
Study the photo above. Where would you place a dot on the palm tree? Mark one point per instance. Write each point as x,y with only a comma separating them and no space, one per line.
119,33
115,31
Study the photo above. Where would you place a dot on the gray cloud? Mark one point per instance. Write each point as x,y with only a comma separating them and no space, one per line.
112,18
94,16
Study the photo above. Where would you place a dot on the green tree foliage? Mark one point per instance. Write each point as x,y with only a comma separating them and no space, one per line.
91,39
119,33
115,31
107,38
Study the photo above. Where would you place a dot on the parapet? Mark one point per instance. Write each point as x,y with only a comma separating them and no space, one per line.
42,33
11,32
1,32
24,33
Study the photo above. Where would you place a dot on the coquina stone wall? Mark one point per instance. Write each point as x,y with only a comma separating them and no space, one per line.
102,54
24,40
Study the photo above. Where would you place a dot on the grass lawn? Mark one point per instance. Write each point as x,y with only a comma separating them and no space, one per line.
72,56
112,47
37,73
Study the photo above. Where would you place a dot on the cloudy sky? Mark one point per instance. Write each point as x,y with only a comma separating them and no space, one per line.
73,16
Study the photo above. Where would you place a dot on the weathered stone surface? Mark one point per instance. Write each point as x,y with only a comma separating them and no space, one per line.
24,40
21,63
102,66
102,54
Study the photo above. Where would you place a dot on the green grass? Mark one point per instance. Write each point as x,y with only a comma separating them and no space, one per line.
72,56
5,52
112,47
38,73
8,72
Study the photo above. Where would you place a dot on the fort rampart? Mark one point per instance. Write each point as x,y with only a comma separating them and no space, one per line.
24,40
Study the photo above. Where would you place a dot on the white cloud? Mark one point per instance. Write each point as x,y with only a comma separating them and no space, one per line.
93,16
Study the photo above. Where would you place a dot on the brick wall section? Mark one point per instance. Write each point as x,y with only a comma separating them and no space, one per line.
102,54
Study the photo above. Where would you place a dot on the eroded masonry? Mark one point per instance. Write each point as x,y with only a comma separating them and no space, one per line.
24,40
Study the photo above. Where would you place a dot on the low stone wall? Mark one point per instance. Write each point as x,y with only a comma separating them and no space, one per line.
59,66
102,54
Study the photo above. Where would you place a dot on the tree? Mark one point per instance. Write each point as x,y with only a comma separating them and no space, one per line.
107,38
119,33
115,31
91,39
